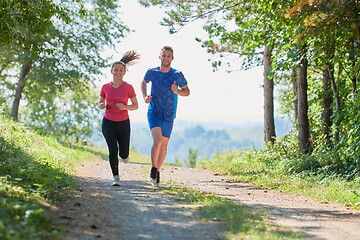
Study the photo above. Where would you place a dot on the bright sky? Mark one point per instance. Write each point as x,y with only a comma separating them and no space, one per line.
214,96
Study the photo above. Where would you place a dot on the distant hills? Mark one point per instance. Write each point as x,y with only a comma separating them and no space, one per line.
207,138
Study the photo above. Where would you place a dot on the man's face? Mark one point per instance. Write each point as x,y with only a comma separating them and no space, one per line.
166,57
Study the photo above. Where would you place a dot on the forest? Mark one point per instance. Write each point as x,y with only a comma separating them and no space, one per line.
51,59
309,49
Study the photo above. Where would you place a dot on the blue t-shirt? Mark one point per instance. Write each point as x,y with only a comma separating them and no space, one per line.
164,101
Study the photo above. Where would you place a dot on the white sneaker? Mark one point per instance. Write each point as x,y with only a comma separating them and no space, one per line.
116,181
126,160
152,180
157,180
155,184
153,174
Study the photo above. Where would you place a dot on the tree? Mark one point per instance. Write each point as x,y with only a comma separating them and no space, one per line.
72,59
24,22
302,108
255,28
269,122
192,158
310,36
71,116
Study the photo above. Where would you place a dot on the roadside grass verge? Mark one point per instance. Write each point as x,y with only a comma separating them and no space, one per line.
266,169
239,221
35,171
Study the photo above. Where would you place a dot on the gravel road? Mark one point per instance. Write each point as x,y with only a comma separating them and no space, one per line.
135,211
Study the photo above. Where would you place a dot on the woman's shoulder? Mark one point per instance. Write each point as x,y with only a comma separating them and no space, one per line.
108,84
128,85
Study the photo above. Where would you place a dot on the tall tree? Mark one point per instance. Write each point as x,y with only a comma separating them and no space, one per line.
303,120
24,71
72,57
238,27
23,22
269,121
328,28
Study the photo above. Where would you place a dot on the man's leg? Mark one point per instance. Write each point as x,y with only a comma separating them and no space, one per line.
155,149
163,151
159,148
158,152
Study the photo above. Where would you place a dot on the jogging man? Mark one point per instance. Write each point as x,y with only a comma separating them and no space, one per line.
166,84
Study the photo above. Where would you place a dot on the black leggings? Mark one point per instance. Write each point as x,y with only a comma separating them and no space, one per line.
117,136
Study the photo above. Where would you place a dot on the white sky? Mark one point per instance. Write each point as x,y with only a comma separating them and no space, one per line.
214,96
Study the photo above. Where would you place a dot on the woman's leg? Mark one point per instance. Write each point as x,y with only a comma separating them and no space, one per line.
123,138
109,132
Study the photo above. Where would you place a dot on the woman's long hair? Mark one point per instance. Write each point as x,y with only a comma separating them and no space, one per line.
128,59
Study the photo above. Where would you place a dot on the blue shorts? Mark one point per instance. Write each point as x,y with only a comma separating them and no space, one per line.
166,126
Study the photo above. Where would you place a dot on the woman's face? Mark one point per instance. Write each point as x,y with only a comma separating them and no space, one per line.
118,71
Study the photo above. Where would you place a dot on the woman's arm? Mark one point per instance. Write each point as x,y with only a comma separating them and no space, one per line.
101,103
133,106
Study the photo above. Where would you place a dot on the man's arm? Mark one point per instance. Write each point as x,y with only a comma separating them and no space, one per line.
182,91
146,97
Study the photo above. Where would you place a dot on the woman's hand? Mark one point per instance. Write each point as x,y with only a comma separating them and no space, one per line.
101,105
121,106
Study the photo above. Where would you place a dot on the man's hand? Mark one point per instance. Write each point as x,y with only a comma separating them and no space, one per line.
147,99
174,87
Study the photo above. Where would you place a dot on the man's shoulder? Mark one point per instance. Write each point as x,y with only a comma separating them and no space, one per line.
154,69
174,70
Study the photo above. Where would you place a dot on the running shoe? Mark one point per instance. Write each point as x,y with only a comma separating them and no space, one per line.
153,175
157,182
126,160
158,177
116,181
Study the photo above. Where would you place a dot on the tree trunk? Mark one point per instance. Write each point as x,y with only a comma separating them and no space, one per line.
337,101
303,120
269,123
295,91
354,86
326,102
25,69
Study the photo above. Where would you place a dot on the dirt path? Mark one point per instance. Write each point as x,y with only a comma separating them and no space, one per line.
135,211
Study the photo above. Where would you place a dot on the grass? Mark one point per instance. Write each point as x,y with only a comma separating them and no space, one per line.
34,172
258,170
239,221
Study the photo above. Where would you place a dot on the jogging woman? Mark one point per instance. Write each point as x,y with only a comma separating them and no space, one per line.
114,98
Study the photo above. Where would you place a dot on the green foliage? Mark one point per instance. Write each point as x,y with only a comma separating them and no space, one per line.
63,74
24,22
209,141
24,220
280,166
35,171
191,160
177,162
71,117
328,30
192,157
